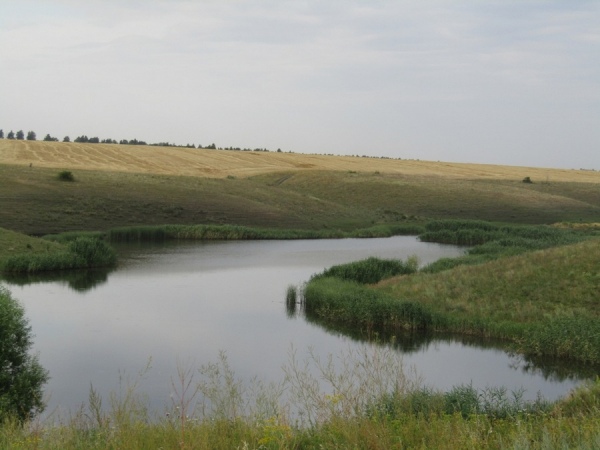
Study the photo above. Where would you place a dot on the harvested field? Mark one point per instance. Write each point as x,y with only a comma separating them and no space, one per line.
224,163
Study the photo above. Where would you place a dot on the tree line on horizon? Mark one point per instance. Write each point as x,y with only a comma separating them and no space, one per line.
32,136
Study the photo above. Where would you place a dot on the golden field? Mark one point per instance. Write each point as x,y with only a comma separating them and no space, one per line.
223,163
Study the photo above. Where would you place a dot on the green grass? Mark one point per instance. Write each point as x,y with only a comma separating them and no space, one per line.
20,254
491,240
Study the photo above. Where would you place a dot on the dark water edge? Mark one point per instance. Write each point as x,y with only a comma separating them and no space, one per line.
552,369
78,280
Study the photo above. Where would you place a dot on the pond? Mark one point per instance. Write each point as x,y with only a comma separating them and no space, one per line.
182,303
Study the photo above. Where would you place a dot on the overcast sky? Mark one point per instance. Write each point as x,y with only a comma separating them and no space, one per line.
499,82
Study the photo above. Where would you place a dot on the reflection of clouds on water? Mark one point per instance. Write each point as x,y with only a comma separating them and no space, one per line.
191,256
192,301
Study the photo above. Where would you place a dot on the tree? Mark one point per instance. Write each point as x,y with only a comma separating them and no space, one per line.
20,135
31,136
66,139
1,134
21,375
10,135
49,138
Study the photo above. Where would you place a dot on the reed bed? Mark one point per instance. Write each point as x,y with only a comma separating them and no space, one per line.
370,270
79,253
237,232
352,304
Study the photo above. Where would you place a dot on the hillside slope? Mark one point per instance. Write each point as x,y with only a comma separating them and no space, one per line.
120,185
223,163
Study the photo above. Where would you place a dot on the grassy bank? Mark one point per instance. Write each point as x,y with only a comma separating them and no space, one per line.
542,302
20,254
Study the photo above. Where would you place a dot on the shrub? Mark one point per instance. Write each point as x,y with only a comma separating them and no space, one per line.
66,175
21,375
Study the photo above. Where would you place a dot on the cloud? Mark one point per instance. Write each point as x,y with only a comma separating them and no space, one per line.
311,76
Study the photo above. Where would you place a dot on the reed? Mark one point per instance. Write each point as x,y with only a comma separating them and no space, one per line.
237,232
563,338
371,270
79,253
291,300
467,232
353,304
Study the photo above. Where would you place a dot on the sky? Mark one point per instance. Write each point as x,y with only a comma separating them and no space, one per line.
495,82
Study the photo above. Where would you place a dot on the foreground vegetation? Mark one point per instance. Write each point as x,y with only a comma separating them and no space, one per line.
370,402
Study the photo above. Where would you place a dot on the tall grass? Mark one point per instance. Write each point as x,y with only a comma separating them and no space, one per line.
564,337
359,399
79,253
237,232
353,304
371,270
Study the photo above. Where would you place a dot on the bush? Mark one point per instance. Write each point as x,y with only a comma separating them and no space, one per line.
371,270
21,375
66,175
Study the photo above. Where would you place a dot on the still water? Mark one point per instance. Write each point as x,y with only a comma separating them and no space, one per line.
188,301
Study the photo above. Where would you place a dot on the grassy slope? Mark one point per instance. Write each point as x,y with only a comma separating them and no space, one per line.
12,243
534,287
127,185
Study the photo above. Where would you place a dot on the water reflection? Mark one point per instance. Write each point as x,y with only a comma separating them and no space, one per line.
78,280
551,369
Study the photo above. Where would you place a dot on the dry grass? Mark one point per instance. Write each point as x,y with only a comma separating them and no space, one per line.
223,163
